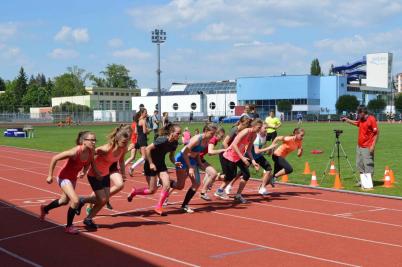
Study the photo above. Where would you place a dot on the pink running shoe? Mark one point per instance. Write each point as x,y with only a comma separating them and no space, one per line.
131,195
71,230
42,213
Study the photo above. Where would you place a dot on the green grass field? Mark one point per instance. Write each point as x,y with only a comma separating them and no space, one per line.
318,136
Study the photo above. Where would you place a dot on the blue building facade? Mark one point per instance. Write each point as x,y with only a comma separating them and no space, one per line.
308,94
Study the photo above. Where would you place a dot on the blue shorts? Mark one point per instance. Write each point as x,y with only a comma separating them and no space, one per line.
193,162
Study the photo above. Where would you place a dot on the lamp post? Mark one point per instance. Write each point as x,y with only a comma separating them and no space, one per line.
159,37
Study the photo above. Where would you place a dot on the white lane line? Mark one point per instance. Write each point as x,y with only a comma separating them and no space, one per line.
19,257
308,230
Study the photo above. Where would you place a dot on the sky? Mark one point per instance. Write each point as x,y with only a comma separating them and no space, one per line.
207,40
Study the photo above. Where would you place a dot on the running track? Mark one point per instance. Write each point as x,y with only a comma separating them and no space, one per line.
291,227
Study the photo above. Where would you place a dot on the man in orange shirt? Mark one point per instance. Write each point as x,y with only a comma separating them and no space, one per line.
368,135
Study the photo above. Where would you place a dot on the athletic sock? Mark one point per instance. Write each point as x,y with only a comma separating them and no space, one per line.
189,196
52,205
140,191
162,198
70,216
137,163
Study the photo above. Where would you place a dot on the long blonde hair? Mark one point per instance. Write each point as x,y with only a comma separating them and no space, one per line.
123,130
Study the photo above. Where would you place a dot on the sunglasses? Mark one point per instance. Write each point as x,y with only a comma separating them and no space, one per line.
91,140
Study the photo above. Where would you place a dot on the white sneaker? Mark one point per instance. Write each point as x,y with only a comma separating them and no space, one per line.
240,199
221,195
263,191
187,209
228,189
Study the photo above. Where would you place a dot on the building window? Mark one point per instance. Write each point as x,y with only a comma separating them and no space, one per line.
117,94
232,105
112,93
101,105
127,105
193,106
95,93
107,105
120,105
175,106
212,105
101,93
106,93
127,94
114,104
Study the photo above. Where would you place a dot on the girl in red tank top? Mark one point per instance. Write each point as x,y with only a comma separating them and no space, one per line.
132,147
79,159
105,157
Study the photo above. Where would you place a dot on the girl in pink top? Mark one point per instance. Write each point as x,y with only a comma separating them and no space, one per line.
78,161
289,144
235,157
105,157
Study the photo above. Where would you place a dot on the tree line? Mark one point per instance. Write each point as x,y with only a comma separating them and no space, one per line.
37,91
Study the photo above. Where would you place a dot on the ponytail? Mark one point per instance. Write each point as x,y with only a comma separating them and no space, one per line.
168,129
122,130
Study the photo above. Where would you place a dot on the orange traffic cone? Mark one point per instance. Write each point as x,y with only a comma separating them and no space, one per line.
337,183
285,178
391,174
385,172
332,170
313,180
387,181
306,168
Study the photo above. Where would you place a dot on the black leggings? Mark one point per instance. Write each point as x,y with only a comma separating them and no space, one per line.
230,168
281,163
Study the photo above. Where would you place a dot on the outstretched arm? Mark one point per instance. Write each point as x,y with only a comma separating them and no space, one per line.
55,159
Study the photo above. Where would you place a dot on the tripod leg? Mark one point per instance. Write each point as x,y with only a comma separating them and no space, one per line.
350,165
331,157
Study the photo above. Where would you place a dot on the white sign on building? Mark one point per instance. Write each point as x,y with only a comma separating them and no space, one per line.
379,68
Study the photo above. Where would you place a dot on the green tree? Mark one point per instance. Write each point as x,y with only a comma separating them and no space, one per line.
315,68
2,85
398,102
347,103
68,84
284,106
36,96
116,76
8,101
376,105
21,85
70,107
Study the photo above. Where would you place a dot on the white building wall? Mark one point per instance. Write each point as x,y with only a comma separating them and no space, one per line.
218,100
183,103
84,100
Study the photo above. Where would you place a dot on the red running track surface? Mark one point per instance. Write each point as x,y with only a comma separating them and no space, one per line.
291,227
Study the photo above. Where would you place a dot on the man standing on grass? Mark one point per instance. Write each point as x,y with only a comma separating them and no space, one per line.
155,124
368,136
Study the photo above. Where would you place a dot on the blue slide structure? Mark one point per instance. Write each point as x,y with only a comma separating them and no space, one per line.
351,70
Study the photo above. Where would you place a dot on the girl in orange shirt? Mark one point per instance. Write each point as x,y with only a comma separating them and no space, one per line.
289,144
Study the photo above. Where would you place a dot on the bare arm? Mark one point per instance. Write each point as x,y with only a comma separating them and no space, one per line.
235,143
225,141
352,122
212,151
55,159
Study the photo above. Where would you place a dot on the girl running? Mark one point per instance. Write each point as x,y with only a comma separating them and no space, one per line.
106,155
155,166
190,160
210,173
142,132
78,161
132,146
258,151
243,123
289,144
234,157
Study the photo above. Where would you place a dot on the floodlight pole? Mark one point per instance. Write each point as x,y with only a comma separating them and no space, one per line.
158,37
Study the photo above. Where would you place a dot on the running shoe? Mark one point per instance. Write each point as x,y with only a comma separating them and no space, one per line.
158,183
240,199
228,189
166,202
221,194
205,196
90,223
71,230
159,211
187,209
108,206
130,171
42,213
262,191
131,195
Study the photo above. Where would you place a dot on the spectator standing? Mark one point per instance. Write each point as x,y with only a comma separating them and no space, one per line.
191,116
155,121
273,124
299,118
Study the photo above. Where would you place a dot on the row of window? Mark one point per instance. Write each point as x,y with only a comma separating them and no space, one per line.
272,102
115,105
193,105
115,94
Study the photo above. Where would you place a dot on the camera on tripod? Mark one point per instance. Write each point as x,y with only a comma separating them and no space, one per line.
338,133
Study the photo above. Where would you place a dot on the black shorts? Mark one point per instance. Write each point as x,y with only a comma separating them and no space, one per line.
263,162
221,160
160,167
271,136
281,163
141,142
99,184
113,168
231,169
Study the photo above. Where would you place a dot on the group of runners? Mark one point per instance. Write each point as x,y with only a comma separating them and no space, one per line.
245,145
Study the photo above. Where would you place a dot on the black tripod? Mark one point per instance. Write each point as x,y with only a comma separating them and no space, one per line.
338,148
